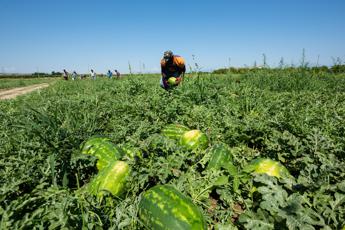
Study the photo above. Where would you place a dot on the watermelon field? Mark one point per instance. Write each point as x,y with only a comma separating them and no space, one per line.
259,150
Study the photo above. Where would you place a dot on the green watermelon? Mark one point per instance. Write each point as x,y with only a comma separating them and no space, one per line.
163,207
111,179
220,156
267,166
132,152
174,131
194,139
88,146
172,81
103,149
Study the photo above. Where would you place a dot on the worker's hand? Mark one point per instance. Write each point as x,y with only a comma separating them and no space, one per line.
178,80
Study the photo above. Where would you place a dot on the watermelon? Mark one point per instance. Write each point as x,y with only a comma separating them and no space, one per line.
194,139
88,146
132,152
103,149
172,81
174,131
267,166
220,156
164,207
111,179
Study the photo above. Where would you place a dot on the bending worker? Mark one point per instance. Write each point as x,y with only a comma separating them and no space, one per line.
173,70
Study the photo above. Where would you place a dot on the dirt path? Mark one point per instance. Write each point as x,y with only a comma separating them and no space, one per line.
12,93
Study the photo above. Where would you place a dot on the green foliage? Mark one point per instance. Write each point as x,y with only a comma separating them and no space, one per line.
337,68
295,117
287,208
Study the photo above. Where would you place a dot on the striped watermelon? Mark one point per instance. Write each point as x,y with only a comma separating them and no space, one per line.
174,131
111,179
194,139
132,152
163,207
267,166
87,146
103,149
220,156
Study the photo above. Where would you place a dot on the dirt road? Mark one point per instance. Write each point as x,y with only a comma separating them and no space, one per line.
12,93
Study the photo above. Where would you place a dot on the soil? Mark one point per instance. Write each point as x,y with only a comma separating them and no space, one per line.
12,93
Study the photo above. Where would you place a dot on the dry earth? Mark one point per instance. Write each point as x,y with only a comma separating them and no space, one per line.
12,93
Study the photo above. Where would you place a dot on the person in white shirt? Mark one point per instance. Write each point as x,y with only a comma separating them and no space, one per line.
93,75
74,75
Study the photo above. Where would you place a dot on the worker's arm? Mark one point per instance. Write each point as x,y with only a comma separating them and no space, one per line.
181,75
164,70
164,74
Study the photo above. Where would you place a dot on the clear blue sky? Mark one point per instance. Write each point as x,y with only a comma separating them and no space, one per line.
50,35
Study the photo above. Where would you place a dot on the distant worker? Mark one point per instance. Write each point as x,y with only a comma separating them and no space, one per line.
93,75
109,74
173,70
118,75
65,75
74,75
